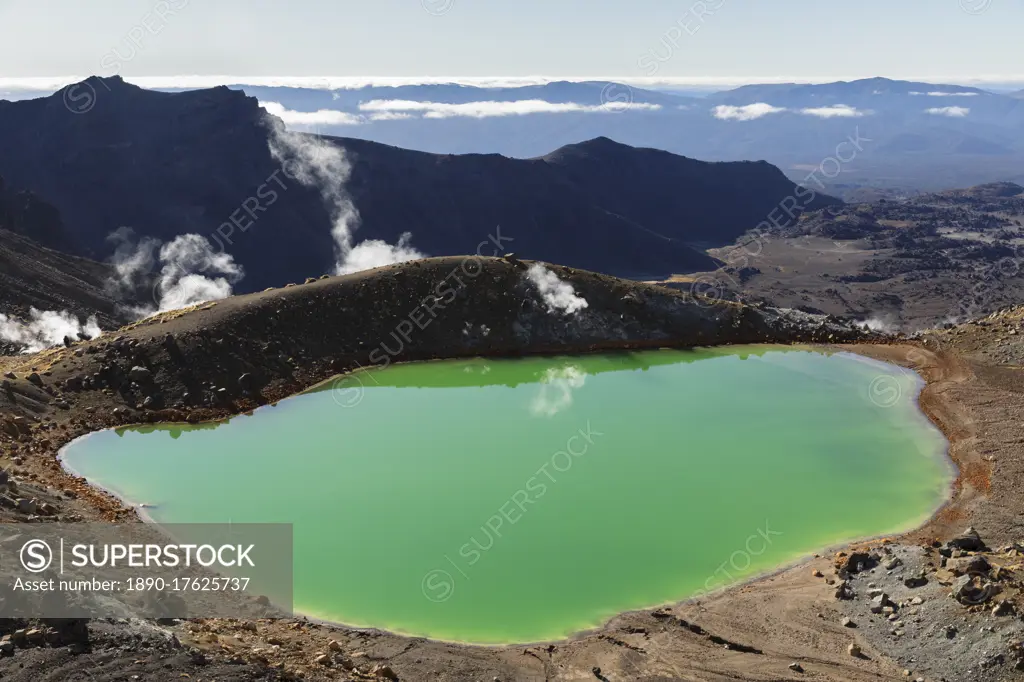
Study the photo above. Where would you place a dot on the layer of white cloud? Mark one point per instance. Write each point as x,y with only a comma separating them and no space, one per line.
835,111
490,109
952,112
390,116
331,117
398,110
748,112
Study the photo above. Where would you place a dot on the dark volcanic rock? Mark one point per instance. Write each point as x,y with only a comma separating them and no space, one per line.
33,276
969,541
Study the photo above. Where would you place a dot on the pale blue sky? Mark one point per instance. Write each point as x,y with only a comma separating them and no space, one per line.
742,38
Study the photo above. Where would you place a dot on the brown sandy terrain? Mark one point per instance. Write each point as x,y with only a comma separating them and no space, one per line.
286,340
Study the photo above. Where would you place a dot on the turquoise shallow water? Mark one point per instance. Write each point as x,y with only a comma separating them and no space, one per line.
497,501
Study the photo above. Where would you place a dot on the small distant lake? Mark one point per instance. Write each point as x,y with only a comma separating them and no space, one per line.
520,500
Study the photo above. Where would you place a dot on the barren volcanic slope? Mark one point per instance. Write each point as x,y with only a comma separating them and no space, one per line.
32,275
261,347
917,262
172,163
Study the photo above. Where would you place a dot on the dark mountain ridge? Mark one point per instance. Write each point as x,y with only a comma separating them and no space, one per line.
33,276
109,154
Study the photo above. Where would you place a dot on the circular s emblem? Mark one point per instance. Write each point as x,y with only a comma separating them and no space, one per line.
36,556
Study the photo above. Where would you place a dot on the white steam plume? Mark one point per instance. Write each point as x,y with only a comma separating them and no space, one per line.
133,262
322,165
193,272
183,272
884,325
373,253
559,296
45,328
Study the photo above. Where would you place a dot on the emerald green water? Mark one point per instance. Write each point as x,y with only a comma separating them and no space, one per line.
497,501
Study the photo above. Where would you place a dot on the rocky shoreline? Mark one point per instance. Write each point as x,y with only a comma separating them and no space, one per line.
231,356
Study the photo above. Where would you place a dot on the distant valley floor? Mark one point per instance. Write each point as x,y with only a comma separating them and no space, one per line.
932,260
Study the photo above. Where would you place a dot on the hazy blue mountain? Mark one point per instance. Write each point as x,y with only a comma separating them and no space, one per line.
883,92
922,135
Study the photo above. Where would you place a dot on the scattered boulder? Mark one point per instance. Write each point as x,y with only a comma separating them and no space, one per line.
383,671
845,592
511,258
969,541
972,589
854,650
796,667
971,564
917,579
855,562
140,374
1003,608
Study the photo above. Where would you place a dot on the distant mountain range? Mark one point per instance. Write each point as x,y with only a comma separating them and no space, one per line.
923,136
167,164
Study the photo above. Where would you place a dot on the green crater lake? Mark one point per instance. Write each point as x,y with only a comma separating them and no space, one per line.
522,500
